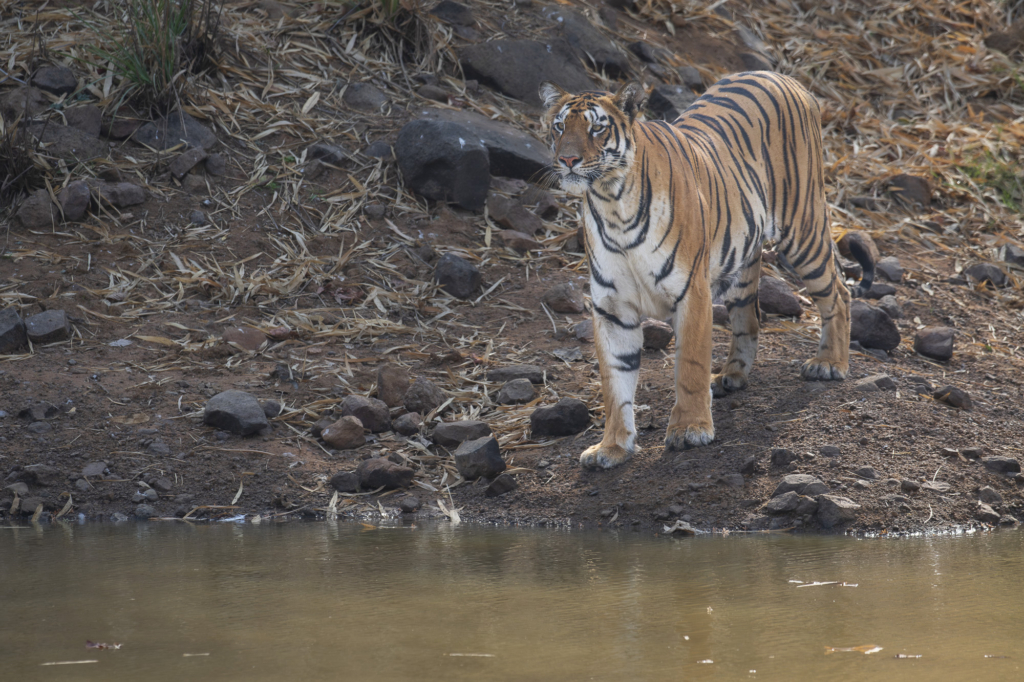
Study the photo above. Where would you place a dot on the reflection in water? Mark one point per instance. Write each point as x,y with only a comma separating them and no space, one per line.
343,602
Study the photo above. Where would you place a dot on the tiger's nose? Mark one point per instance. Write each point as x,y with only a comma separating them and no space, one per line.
569,161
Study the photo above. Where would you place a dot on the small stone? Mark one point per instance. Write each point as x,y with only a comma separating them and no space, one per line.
880,290
657,334
805,484
37,210
881,382
452,434
186,161
909,486
457,276
20,489
829,451
990,495
954,396
159,448
145,511
479,458
39,428
60,80
911,190
216,165
423,396
921,385
783,504
197,217
172,130
48,327
373,413
117,194
516,392
834,510
567,417
245,337
364,97
501,485
564,298
987,272
379,150
381,472
868,473
39,412
271,408
519,241
987,514
408,424
543,202
532,372
782,457
935,342
327,152
720,315
151,495
344,434
12,331
83,485
1011,253
732,480
433,92
409,504
374,210
25,102
872,328
972,453
120,128
345,482
776,298
584,331
891,307
74,200
392,384
890,268
235,411
1001,465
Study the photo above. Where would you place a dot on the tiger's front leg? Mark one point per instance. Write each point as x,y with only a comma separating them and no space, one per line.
691,423
619,341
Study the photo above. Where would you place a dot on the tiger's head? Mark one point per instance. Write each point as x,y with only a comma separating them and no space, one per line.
591,134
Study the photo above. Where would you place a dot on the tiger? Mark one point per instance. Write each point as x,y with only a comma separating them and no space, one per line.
675,215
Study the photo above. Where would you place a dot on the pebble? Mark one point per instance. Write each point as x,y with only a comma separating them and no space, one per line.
1001,465
954,396
868,473
834,510
935,342
457,276
409,504
805,484
20,488
452,434
373,413
501,485
271,408
534,373
657,334
516,392
48,327
749,466
345,482
874,383
890,268
891,307
12,331
567,417
423,396
197,217
144,511
83,485
829,451
408,424
909,486
519,241
732,480
872,327
40,428
720,315
879,290
987,272
392,384
564,298
911,190
480,458
344,434
235,411
433,92
246,338
379,471
783,456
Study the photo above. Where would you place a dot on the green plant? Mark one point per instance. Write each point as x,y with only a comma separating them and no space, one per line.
160,42
989,170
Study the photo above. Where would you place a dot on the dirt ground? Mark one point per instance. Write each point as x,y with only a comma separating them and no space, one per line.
335,304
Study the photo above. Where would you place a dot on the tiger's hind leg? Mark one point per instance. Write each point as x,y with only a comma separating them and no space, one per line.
741,302
816,265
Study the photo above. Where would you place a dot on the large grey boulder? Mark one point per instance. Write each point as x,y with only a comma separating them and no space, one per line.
441,161
518,67
512,153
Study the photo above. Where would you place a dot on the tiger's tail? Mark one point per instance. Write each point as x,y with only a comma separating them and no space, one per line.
867,264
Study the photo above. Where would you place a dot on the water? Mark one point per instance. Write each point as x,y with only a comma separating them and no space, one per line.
308,602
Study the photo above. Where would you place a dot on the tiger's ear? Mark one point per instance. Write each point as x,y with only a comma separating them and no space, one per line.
630,99
550,93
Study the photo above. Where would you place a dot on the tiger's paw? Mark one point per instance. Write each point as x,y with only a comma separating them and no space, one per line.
603,456
724,384
817,369
691,436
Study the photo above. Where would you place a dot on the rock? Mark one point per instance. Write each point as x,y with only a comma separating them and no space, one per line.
646,52
755,61
381,472
954,396
94,469
516,392
344,434
804,484
162,484
987,514
911,191
987,272
783,504
891,307
454,13
829,451
83,485
909,486
731,480
972,453
12,331
271,408
879,290
374,210
834,510
567,417
749,466
480,458
236,412
39,428
1011,253
890,268
442,162
37,211
543,202
186,161
519,241
589,44
532,372
39,412
875,382
1007,520
345,481
373,413
584,331
172,130
118,194
920,385
720,315
48,327
512,215
145,511
120,128
408,424
379,149
990,495
776,298
327,152
783,456
934,342
518,67
668,102
1001,465
392,383
433,92
409,504
1008,41
510,186
864,240
42,475
246,338
216,165
512,153
501,485
423,396
452,434
24,101
657,334
564,298
868,473
74,200
87,118
457,276
60,80
871,327
158,448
